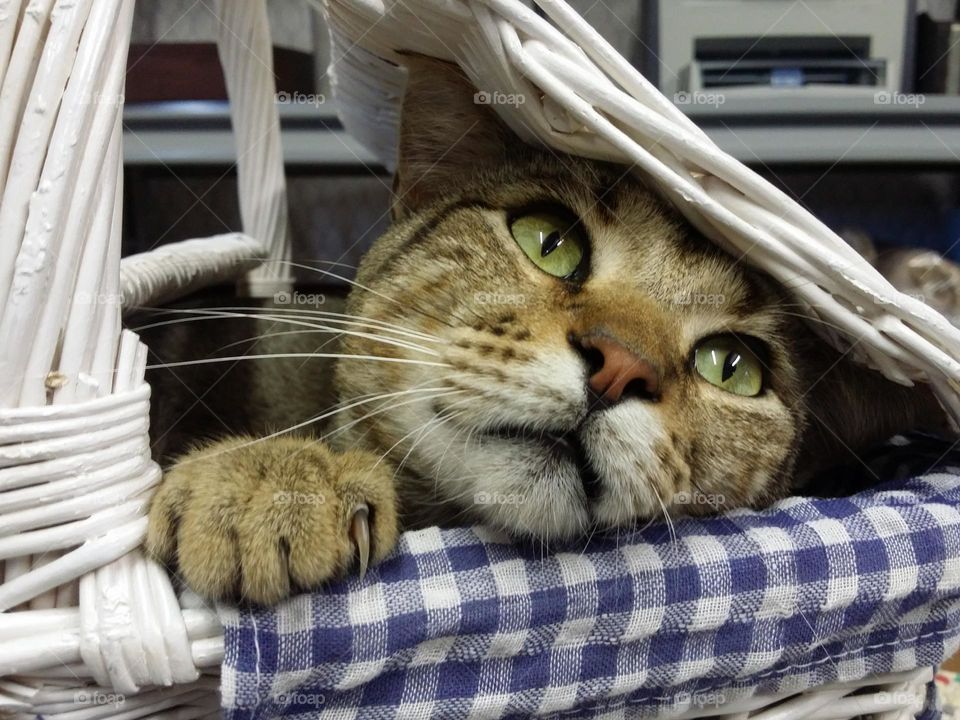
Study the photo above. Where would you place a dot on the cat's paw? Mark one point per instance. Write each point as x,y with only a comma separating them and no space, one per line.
257,520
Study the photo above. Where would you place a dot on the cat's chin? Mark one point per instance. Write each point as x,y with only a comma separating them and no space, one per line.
559,447
531,484
617,469
614,468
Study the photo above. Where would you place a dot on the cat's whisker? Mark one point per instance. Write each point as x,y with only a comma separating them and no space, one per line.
407,304
281,261
636,524
432,424
374,397
214,314
199,314
337,430
339,332
717,506
810,318
416,429
354,283
442,419
263,336
443,456
448,303
371,397
315,419
593,532
359,320
666,515
815,306
469,430
313,329
274,356
454,518
447,392
438,392
304,312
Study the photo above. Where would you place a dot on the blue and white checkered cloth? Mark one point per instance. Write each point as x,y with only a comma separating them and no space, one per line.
463,623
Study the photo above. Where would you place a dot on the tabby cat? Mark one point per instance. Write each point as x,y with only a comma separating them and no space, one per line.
538,343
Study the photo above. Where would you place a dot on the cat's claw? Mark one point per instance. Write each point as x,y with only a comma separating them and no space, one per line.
360,534
265,520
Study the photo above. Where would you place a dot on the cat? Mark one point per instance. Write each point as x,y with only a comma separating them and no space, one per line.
544,346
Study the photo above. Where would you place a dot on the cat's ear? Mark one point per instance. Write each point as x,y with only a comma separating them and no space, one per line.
446,133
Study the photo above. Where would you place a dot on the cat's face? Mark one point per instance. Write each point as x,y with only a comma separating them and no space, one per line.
631,370
528,444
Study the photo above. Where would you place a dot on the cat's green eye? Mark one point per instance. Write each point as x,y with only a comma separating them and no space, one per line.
551,240
729,364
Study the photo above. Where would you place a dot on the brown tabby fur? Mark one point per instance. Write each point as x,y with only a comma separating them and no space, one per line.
258,520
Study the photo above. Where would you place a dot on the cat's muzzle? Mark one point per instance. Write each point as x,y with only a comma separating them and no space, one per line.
564,447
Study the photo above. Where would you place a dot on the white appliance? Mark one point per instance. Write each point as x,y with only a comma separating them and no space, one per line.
695,46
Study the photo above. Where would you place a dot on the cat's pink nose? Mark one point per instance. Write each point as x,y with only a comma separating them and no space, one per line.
619,373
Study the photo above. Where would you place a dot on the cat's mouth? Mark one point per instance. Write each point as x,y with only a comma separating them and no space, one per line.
563,446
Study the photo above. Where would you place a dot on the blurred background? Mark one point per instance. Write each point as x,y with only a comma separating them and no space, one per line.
851,106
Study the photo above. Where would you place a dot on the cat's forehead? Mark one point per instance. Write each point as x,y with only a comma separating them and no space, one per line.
637,237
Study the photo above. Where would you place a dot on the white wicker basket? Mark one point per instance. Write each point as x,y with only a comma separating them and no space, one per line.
88,627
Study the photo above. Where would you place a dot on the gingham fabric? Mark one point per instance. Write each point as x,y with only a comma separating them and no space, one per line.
464,623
